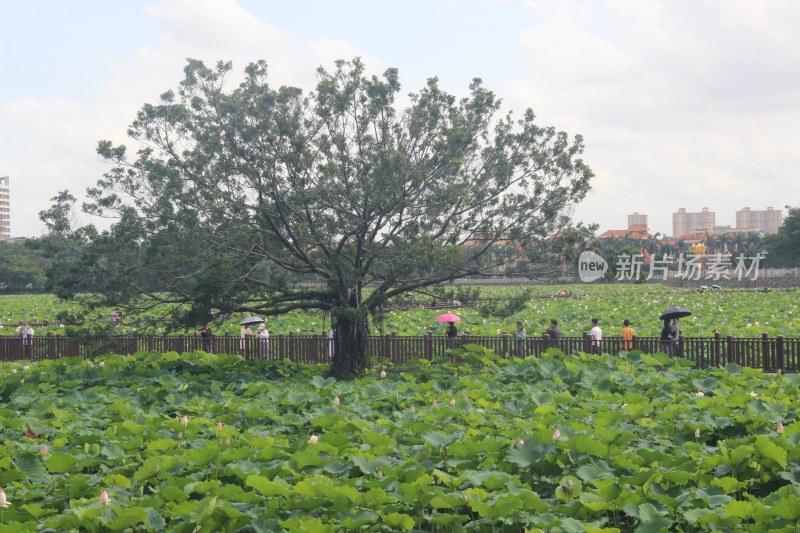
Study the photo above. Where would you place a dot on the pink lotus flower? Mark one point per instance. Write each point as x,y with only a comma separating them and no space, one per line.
185,420
104,498
699,394
313,439
780,428
697,433
336,401
453,402
44,450
519,442
383,373
379,475
3,501
219,426
435,403
556,434
413,409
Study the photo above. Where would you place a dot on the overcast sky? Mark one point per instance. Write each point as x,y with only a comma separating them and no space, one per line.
682,103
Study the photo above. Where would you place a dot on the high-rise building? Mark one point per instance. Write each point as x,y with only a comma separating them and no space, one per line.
637,220
5,208
768,221
684,223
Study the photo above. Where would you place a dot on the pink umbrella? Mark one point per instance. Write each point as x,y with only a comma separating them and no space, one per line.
448,317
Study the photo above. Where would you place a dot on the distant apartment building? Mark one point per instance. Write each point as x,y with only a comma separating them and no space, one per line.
685,223
768,221
637,220
5,208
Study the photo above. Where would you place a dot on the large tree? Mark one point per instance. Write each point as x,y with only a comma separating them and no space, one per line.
271,200
783,248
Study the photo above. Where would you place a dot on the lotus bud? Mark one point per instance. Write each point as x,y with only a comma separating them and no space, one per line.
556,434
383,373
104,498
185,420
435,403
313,439
590,419
44,450
697,433
336,401
3,501
102,364
227,441
219,426
379,475
505,355
699,394
780,428
180,434
453,402
413,409
519,442
26,368
464,497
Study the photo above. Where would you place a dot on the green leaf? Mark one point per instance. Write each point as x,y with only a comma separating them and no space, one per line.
265,487
399,521
769,450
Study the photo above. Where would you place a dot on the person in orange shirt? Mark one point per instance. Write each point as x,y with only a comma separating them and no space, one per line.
627,335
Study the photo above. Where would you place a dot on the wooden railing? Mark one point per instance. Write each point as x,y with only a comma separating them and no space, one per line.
768,353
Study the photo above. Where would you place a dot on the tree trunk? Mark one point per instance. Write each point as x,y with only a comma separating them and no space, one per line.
350,330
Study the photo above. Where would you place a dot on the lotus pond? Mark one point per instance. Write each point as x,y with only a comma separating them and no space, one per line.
161,442
742,313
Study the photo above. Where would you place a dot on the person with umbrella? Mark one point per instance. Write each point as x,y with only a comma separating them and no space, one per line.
671,332
245,332
452,331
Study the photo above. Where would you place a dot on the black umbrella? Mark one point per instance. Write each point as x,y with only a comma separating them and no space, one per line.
257,319
675,312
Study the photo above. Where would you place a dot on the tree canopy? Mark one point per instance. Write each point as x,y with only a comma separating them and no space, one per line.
271,200
783,248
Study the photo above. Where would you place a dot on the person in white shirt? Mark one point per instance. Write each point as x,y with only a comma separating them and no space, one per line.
263,341
597,336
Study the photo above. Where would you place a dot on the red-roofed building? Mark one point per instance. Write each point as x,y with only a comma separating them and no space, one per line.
637,231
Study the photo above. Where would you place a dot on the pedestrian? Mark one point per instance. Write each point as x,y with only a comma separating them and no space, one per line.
263,342
116,318
597,337
520,337
452,335
627,335
668,338
206,337
244,333
554,334
26,334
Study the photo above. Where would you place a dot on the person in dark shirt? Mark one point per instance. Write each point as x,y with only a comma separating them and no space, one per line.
554,333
